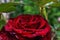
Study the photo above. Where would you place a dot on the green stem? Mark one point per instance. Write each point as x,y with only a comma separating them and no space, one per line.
43,12
0,15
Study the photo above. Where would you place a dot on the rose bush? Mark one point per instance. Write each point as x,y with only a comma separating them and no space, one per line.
29,27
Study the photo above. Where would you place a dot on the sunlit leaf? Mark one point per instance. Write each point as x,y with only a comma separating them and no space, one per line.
56,4
43,2
7,7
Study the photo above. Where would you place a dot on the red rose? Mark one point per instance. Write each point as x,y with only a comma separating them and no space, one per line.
29,27
3,36
6,36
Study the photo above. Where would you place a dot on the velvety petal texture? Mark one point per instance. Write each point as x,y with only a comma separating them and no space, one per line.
27,27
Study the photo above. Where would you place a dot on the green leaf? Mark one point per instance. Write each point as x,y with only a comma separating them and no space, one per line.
56,4
43,2
2,23
7,7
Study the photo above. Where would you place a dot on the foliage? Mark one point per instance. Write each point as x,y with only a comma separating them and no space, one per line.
7,7
56,4
2,23
53,16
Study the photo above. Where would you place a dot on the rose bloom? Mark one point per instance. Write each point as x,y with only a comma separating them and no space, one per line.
28,27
